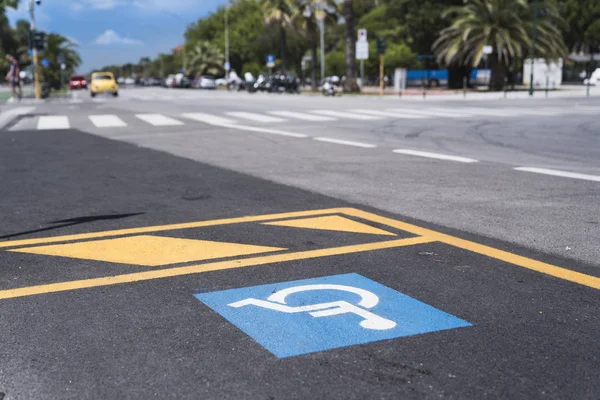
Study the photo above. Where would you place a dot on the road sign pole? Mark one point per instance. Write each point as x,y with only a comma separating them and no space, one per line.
362,72
381,75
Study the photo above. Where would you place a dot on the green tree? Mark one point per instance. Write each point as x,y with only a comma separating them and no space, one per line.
55,46
583,33
505,25
305,17
205,58
279,13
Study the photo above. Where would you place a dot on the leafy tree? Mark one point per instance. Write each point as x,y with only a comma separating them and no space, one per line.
55,46
279,13
503,24
306,19
205,58
583,33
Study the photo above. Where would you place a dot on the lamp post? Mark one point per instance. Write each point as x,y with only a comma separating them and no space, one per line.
36,77
535,12
320,14
227,65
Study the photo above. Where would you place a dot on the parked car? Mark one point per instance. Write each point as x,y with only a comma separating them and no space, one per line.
77,82
169,81
205,82
129,81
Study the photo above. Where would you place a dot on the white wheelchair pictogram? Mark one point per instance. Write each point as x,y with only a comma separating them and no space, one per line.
370,320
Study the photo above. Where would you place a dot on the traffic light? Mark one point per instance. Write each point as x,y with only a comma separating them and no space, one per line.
38,40
380,45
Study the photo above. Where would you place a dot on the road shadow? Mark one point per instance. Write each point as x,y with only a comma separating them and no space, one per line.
63,223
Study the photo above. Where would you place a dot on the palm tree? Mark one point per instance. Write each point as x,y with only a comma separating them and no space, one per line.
350,84
279,13
205,58
506,26
305,17
57,45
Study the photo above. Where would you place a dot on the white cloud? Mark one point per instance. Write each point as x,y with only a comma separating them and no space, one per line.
112,37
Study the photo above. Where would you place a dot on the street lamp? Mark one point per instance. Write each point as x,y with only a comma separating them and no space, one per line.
535,12
227,65
320,14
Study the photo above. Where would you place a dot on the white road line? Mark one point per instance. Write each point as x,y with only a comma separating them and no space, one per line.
543,113
158,120
264,130
344,115
498,112
445,113
302,116
255,117
435,155
107,121
209,118
389,114
564,174
345,142
11,114
46,122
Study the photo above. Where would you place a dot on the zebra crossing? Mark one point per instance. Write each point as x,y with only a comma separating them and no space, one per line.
275,117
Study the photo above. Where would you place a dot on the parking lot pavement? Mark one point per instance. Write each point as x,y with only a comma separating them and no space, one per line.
132,273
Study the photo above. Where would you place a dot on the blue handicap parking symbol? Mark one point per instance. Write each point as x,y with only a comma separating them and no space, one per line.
298,317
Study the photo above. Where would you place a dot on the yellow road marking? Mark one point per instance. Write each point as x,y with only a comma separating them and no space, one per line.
160,228
194,269
331,223
534,265
148,250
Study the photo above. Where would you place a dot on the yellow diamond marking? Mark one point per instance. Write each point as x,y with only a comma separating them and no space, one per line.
149,250
331,223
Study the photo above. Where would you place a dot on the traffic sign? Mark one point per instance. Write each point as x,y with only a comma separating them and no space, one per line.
63,66
362,35
270,61
45,62
362,50
227,65
299,317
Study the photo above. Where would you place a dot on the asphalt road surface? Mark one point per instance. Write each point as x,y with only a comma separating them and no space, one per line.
185,244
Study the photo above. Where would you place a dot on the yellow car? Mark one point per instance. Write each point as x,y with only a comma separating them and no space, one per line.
103,82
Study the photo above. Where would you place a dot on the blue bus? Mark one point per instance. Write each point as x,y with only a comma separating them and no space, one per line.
439,77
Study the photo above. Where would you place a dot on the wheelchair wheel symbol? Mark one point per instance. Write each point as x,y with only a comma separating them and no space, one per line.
276,302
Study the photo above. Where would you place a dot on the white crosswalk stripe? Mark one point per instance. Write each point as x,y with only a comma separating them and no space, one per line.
209,118
345,115
302,116
158,120
52,122
390,114
433,113
255,117
107,121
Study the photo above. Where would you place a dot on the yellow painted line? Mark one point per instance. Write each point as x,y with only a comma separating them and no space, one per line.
331,223
534,265
194,269
160,228
147,250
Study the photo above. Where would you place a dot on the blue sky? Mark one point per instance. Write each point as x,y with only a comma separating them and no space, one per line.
118,31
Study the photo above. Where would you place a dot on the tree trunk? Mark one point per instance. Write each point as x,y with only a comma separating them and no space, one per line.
498,73
350,85
282,34
312,35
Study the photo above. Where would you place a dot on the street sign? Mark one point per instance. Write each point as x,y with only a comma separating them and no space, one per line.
362,35
362,50
299,317
270,61
227,66
45,62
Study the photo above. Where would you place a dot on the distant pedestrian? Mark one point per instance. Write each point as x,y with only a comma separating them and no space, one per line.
13,77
